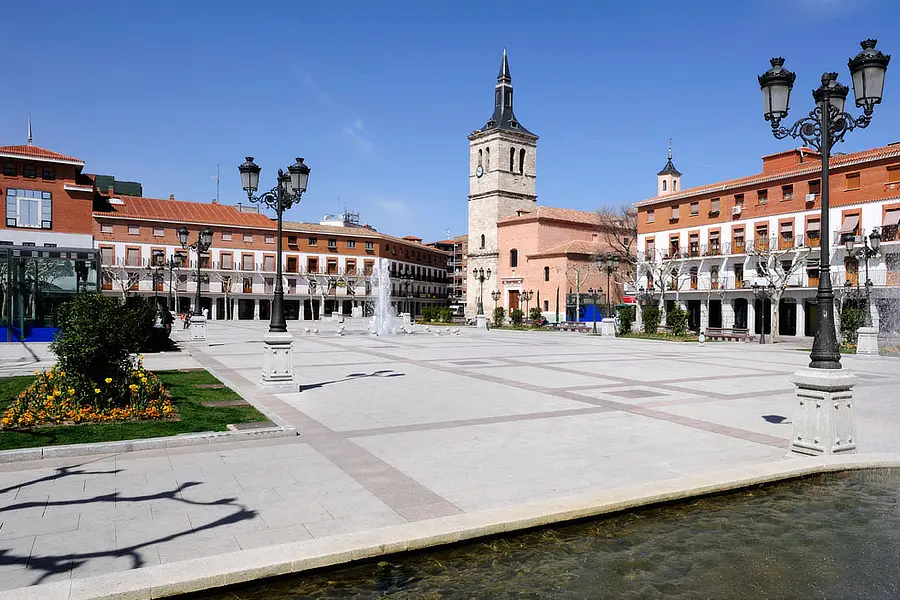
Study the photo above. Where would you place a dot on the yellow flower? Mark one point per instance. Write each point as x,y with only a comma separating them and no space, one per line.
71,391
96,390
50,375
141,357
37,372
108,380
133,387
49,396
56,392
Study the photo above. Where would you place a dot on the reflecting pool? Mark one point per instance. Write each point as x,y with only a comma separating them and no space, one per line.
832,536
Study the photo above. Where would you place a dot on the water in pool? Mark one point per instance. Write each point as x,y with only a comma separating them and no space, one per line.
827,537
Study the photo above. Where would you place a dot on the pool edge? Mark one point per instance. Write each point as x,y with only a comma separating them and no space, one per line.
195,575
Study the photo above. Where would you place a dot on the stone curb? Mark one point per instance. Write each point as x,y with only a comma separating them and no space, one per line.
176,441
172,579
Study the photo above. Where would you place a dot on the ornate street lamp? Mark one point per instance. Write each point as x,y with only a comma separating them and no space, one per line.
763,293
278,366
480,276
527,295
610,264
866,252
201,246
496,296
825,126
593,294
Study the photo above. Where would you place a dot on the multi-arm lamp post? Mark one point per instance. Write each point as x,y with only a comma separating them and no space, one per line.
201,246
481,275
610,264
496,296
763,293
278,358
823,423
866,252
593,294
825,126
527,295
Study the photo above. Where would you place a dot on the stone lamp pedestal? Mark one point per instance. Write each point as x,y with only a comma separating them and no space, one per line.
480,322
278,363
198,328
867,341
823,416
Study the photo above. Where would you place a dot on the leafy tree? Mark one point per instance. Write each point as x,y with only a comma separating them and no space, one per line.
516,316
535,315
499,316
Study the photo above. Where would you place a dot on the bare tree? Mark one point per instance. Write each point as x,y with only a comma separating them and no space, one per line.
227,280
618,227
777,266
125,278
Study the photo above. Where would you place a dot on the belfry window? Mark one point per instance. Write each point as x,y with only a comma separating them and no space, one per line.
512,159
664,185
482,241
480,156
487,159
522,161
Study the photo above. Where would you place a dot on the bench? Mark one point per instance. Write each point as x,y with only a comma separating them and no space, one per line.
569,326
732,334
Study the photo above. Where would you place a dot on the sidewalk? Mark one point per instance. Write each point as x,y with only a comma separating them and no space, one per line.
411,428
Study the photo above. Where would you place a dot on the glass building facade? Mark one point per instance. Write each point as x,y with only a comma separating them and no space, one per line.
35,281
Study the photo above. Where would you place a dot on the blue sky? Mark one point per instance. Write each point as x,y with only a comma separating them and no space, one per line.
380,96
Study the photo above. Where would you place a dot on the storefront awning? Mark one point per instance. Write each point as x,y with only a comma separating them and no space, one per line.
787,227
892,218
849,225
813,225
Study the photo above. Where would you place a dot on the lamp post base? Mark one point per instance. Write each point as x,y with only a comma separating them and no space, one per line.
198,328
823,417
278,363
867,341
480,322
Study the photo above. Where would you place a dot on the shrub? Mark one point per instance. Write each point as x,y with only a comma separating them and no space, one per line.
499,316
651,318
58,397
677,319
515,316
535,316
626,318
137,317
852,318
444,315
96,338
428,314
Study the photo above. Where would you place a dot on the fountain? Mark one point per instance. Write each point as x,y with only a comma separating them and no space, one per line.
384,321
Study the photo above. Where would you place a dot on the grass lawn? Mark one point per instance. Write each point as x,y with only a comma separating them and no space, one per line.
667,337
187,397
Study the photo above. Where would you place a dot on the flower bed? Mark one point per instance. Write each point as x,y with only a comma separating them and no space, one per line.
57,398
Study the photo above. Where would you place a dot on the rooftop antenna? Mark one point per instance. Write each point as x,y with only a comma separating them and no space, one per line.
29,130
448,234
217,183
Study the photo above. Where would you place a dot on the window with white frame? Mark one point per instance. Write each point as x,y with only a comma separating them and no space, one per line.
248,237
106,228
226,236
159,232
134,230
28,208
370,246
270,239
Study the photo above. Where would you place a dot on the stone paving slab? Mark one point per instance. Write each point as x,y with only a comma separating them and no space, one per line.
478,427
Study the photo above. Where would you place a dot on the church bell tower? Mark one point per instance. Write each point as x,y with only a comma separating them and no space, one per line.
502,178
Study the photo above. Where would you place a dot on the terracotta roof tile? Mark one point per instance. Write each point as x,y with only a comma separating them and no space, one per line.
353,230
181,211
571,247
29,151
556,214
813,166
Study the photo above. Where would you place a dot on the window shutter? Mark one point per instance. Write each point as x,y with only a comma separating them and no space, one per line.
894,175
10,208
46,210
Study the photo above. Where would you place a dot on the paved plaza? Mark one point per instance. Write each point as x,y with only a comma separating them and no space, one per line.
408,428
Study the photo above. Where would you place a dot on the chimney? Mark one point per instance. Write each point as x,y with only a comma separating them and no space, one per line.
214,201
171,196
111,191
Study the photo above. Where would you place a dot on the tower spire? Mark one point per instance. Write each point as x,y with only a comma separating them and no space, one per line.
670,148
503,76
29,130
503,117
